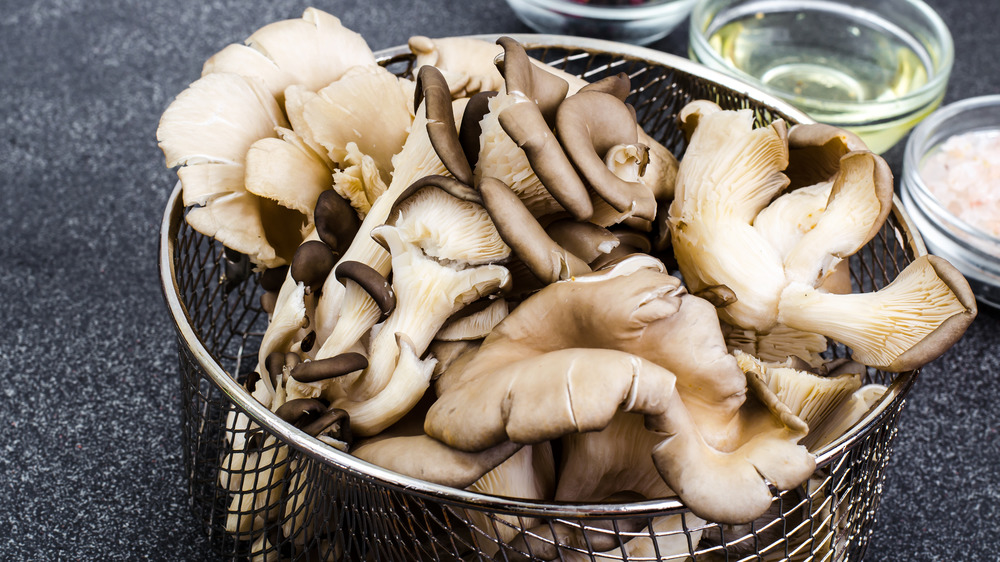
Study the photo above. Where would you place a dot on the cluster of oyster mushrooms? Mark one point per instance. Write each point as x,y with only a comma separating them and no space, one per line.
466,283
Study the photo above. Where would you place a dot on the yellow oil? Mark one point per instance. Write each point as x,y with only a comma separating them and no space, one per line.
824,59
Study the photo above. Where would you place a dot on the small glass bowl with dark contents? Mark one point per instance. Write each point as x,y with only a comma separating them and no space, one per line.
951,189
631,21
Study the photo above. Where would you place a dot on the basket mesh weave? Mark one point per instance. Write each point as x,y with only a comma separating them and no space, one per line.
302,507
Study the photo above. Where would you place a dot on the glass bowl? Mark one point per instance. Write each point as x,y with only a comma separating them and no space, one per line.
632,21
953,231
875,67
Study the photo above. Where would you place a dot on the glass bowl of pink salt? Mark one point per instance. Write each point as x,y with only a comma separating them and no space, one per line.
951,189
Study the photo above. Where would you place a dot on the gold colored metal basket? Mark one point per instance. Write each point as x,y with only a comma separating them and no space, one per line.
328,505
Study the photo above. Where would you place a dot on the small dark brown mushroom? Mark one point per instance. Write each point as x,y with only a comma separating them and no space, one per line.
300,411
336,221
331,367
520,230
371,281
432,89
312,263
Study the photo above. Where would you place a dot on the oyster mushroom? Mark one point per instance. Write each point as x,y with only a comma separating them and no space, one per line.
367,107
590,124
528,383
442,248
311,51
761,277
359,181
207,130
466,63
900,327
808,396
518,146
547,260
289,171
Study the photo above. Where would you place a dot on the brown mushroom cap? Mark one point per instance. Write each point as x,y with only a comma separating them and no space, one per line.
521,77
372,281
584,240
312,263
588,125
619,86
432,88
330,367
471,127
520,230
336,221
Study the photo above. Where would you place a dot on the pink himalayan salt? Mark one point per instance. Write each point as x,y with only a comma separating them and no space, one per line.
964,175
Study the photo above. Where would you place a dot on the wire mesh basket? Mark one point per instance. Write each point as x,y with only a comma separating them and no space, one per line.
284,495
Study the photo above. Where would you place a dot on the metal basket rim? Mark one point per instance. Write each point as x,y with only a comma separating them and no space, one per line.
316,449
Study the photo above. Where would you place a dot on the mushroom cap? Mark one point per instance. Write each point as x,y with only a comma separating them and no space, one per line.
466,63
287,171
365,106
441,128
588,124
900,327
313,51
216,119
547,260
448,228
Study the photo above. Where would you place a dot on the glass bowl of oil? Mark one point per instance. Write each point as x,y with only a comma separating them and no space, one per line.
632,21
951,189
875,67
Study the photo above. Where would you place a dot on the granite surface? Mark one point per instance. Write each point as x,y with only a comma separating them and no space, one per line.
90,457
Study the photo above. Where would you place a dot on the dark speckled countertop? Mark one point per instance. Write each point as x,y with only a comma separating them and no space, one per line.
90,455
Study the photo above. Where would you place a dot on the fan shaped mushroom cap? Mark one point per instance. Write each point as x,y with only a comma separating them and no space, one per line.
466,63
446,227
287,171
212,124
529,384
313,51
365,106
216,119
900,327
860,200
589,124
729,173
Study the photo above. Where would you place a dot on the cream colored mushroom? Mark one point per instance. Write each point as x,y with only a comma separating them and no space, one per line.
365,106
208,128
312,51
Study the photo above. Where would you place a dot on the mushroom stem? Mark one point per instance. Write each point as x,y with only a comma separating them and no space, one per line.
900,327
